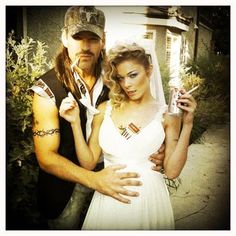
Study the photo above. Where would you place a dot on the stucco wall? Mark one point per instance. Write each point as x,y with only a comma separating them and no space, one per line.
190,34
160,42
204,41
44,23
204,34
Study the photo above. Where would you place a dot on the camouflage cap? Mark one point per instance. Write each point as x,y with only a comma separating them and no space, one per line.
84,18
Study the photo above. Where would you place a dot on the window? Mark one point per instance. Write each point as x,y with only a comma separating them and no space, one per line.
150,34
184,51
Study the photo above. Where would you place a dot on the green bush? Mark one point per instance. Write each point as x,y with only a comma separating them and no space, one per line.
213,97
25,61
215,70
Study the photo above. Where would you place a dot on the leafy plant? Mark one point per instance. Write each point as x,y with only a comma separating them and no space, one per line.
212,74
213,97
25,61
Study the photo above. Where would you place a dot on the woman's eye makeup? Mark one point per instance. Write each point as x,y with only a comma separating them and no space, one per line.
133,75
130,75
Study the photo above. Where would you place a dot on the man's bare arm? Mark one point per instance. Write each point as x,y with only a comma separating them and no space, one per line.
46,136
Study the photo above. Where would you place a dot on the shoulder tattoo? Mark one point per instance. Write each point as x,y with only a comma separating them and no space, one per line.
42,133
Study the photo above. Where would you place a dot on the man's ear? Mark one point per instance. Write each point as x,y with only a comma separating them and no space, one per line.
64,38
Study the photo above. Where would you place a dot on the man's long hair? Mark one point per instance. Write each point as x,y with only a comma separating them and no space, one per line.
65,75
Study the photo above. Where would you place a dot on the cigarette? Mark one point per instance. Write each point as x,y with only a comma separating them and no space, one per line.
74,63
193,89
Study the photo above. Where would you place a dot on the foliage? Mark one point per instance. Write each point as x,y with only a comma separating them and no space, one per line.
213,96
25,61
212,74
216,73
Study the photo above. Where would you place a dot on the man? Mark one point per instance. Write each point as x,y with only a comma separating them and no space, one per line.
78,69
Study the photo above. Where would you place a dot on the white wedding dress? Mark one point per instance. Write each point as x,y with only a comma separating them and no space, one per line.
152,208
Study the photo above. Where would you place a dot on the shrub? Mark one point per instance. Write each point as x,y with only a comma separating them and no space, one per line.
216,73
213,97
25,61
212,74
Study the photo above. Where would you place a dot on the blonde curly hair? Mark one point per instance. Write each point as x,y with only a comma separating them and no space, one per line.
115,56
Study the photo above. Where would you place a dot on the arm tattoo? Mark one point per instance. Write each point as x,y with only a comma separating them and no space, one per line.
42,133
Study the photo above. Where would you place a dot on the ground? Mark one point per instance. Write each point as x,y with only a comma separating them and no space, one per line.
202,200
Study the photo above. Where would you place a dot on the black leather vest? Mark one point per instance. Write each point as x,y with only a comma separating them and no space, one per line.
53,192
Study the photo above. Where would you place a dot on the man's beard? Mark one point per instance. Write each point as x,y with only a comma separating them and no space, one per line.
86,65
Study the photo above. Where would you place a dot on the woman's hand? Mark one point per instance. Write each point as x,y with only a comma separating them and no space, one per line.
69,109
187,103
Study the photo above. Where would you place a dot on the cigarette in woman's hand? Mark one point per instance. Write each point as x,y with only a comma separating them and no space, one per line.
193,89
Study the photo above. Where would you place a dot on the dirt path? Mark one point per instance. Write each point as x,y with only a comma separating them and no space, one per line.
202,200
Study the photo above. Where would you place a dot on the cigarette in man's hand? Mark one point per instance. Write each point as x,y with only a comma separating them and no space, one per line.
193,89
71,96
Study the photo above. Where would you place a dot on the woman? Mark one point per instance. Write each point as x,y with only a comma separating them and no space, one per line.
129,127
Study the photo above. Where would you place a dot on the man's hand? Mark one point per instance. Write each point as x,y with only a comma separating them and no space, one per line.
69,109
157,158
111,182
